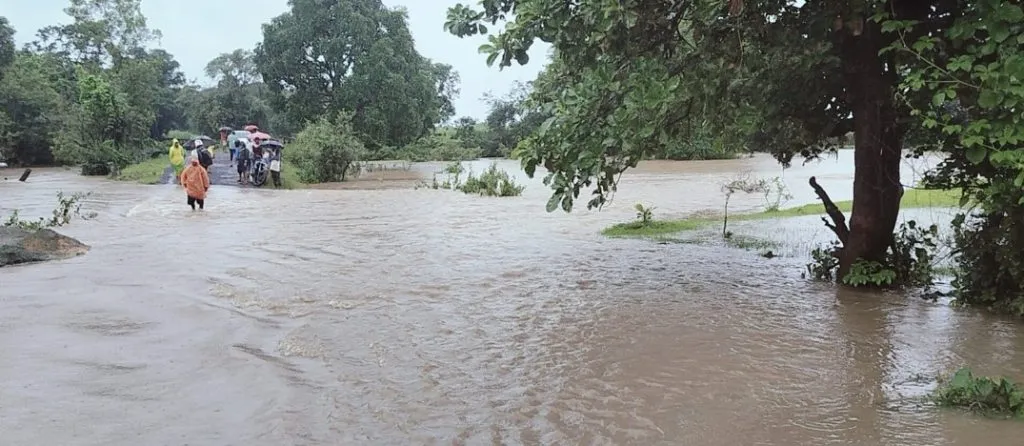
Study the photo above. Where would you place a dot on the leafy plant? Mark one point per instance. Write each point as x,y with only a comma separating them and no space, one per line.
327,150
493,182
909,262
437,146
961,83
781,195
865,272
644,215
67,208
990,396
824,262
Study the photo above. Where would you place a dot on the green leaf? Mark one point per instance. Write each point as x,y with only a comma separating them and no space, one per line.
486,49
939,98
976,154
522,57
988,99
1010,13
545,126
998,31
962,378
554,201
964,199
481,29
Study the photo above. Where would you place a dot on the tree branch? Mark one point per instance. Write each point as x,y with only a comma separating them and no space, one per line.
838,224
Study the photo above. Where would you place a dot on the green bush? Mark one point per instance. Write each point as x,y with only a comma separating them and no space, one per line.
326,150
438,146
493,182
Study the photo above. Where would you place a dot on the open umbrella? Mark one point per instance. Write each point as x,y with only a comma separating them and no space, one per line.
252,128
260,136
191,143
272,144
225,129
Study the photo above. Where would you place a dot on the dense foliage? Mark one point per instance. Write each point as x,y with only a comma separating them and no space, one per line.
634,79
963,84
92,92
327,149
368,66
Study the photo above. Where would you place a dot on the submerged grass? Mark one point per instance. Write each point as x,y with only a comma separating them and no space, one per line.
147,172
912,198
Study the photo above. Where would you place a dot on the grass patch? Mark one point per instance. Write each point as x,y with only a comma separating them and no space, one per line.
290,176
147,172
654,229
988,396
912,199
751,243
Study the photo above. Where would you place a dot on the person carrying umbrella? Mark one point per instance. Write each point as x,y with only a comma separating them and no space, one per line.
224,141
177,157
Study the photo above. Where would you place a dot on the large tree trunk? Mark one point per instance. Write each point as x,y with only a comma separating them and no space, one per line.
878,143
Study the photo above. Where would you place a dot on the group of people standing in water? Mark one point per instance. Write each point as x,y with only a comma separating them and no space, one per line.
191,168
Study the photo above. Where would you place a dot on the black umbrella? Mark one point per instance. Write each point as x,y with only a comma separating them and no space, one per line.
225,129
272,144
191,143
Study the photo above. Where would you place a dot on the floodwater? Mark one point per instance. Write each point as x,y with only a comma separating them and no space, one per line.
423,317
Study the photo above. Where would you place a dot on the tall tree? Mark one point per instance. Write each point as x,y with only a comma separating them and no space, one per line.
239,96
101,32
6,44
358,56
236,69
33,107
171,81
639,69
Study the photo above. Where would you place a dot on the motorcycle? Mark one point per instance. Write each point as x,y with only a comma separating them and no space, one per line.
260,171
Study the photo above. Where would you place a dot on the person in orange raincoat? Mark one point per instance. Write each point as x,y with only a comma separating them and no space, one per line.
196,182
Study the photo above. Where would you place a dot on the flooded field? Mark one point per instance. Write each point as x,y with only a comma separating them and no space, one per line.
399,316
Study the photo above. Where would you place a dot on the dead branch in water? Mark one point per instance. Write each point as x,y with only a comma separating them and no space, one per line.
838,224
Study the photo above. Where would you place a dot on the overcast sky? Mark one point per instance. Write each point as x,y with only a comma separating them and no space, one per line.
180,21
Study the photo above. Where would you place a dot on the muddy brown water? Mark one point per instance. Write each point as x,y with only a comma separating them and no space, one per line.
400,316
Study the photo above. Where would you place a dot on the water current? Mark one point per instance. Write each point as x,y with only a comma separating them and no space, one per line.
395,316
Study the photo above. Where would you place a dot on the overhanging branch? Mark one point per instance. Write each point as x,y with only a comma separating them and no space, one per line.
838,224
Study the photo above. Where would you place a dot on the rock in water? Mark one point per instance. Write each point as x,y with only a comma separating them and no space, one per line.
23,246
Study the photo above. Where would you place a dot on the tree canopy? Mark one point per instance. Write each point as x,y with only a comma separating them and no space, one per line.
631,79
93,90
355,56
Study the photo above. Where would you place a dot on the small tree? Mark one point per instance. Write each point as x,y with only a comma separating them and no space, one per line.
326,149
745,184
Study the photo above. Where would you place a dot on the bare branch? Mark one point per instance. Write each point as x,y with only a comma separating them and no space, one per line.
838,225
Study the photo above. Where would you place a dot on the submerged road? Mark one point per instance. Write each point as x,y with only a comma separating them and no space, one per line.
222,172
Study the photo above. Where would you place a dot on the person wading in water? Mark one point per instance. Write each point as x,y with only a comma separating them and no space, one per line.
176,154
196,182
